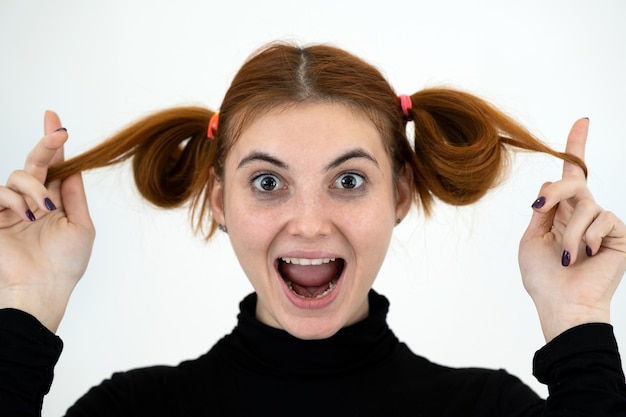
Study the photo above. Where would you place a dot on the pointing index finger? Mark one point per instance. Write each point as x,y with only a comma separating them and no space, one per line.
576,141
48,150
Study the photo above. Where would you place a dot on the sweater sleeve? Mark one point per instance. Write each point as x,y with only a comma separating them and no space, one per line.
583,371
28,354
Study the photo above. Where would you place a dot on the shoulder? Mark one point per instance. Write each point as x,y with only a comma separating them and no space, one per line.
464,388
152,391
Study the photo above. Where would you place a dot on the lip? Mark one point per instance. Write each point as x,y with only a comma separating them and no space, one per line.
309,303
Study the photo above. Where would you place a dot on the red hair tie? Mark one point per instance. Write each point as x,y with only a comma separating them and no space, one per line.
213,122
406,104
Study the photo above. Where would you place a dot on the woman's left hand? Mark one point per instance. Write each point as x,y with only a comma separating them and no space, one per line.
572,258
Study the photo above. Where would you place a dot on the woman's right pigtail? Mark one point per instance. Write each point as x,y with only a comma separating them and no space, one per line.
462,144
171,157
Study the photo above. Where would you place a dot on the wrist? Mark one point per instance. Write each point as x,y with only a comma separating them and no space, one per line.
556,321
49,312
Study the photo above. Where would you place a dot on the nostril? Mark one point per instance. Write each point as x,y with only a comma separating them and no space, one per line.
310,223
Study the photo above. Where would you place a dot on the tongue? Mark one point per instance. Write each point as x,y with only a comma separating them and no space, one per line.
310,280
308,292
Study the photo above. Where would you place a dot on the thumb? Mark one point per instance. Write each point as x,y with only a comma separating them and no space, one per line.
75,201
540,224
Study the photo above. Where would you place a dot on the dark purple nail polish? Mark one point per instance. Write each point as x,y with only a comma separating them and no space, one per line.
565,259
61,128
30,215
49,204
539,202
588,251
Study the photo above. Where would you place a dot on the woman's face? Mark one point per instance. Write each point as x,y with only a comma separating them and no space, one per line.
310,204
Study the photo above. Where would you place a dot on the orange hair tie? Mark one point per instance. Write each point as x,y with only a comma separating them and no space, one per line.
213,122
406,104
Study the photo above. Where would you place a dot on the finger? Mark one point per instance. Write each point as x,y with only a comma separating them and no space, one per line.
75,201
52,123
576,142
11,200
541,220
554,193
584,215
606,225
48,150
25,184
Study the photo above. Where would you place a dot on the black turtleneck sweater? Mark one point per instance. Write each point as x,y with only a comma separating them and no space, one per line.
363,370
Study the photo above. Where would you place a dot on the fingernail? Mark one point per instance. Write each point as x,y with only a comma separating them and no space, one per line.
49,204
539,203
565,259
588,251
586,118
30,215
61,128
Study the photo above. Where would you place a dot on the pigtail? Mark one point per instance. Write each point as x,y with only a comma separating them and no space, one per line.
171,158
462,143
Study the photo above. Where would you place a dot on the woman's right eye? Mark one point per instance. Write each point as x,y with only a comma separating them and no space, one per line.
267,182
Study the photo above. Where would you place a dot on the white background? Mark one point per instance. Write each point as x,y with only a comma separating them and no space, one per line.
155,294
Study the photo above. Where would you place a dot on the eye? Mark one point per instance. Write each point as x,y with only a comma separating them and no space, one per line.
267,182
349,181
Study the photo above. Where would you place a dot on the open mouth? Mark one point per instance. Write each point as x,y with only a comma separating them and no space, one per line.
311,278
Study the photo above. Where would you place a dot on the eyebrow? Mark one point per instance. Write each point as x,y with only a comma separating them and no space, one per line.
341,159
352,154
262,156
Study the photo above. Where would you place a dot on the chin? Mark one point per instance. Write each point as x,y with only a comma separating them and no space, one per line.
323,323
312,328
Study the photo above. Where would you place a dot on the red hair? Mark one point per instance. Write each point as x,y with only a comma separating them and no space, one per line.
459,151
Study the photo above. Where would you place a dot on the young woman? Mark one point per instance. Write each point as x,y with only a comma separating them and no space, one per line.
308,169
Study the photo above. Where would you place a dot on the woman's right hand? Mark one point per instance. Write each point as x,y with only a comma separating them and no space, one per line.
46,233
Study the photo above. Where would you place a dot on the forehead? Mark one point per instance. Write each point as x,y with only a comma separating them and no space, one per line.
311,129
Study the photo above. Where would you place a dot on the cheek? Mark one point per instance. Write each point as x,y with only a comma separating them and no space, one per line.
370,227
250,229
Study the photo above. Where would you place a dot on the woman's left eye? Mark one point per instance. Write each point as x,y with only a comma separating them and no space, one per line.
349,181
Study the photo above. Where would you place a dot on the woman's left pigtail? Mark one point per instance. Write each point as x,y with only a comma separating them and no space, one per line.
461,145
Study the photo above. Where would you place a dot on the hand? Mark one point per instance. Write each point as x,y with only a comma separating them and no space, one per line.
46,234
573,254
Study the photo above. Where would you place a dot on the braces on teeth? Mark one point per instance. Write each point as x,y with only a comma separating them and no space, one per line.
331,286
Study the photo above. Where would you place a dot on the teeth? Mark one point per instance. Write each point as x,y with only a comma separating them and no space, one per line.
331,286
307,261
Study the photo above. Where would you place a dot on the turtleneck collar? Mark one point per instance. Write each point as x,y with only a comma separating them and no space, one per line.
268,349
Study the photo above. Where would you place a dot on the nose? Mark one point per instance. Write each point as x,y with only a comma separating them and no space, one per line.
311,216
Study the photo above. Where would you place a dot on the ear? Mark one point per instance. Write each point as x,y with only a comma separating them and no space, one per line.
217,198
404,192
